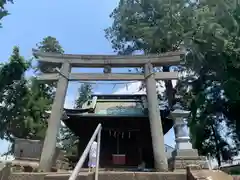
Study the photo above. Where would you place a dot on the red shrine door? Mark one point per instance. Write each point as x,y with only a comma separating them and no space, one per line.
120,149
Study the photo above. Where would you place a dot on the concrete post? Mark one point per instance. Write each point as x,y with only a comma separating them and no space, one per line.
160,160
54,121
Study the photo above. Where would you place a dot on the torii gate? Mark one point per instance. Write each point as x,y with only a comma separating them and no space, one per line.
68,61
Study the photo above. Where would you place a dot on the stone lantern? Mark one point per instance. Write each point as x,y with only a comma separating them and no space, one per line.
180,128
184,154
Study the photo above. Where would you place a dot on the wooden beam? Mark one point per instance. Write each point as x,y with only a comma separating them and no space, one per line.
108,77
170,58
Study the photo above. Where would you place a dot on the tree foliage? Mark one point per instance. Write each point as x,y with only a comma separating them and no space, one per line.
15,95
42,94
24,101
84,95
3,11
49,44
214,59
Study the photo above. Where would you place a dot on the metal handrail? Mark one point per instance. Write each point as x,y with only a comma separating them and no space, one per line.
79,165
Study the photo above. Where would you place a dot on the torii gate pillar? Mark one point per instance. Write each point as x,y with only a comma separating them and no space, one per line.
160,160
54,121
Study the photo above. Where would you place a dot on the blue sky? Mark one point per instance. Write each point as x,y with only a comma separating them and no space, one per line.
78,26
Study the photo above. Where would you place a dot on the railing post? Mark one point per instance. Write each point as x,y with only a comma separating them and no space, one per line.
85,153
98,152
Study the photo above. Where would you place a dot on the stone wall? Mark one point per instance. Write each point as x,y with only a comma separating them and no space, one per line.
181,162
28,152
25,148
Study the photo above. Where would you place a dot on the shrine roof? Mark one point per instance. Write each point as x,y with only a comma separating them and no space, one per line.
78,122
118,110
88,113
113,105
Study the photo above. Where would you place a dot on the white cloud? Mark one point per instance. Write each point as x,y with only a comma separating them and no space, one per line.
133,88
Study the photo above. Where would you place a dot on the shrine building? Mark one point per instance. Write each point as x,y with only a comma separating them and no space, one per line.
126,136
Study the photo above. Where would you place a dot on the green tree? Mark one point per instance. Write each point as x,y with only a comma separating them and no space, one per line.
84,95
24,102
213,62
215,47
42,95
3,11
49,44
210,120
14,98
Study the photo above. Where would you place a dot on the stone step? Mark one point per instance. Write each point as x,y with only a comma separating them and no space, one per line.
107,175
122,176
65,176
210,174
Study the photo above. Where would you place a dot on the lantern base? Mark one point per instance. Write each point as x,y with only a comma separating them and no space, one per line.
185,153
181,158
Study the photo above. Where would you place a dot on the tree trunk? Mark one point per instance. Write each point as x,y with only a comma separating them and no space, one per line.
218,153
170,91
